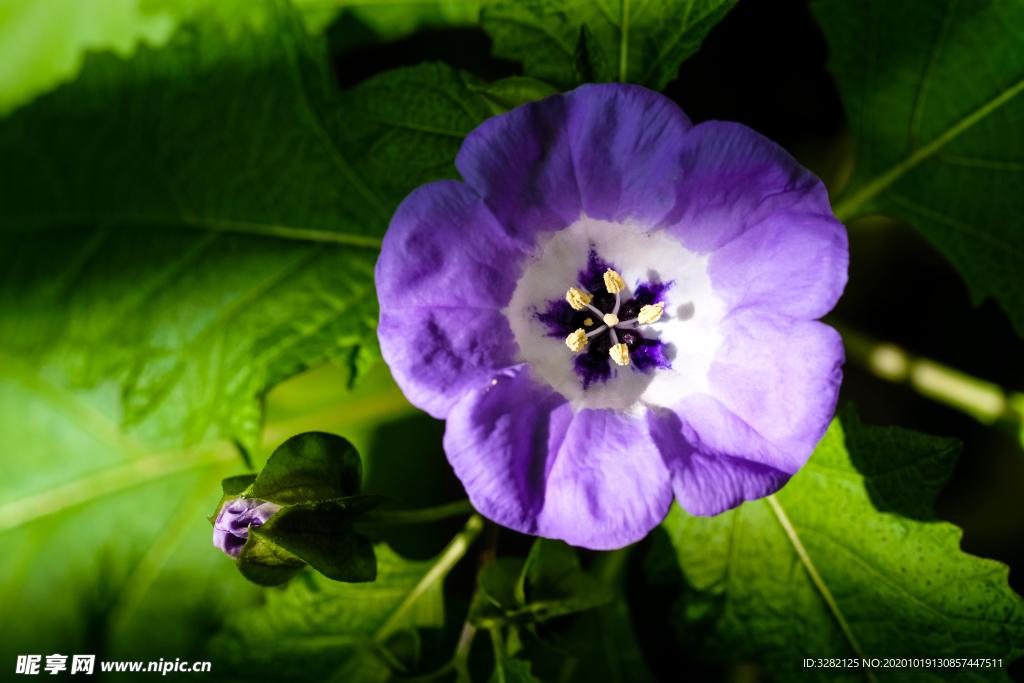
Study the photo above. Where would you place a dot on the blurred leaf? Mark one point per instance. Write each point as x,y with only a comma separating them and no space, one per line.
896,585
933,94
316,627
389,20
44,43
106,547
202,222
513,671
309,467
567,42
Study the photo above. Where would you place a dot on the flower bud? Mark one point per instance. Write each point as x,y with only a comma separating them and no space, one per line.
231,530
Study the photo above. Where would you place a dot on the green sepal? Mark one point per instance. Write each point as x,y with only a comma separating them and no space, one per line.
309,467
234,486
322,535
266,563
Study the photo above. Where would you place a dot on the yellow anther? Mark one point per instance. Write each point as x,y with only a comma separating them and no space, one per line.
611,320
577,299
589,322
650,314
577,340
620,354
614,282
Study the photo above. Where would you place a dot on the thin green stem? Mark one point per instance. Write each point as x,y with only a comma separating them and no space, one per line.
499,652
456,509
445,561
984,401
816,578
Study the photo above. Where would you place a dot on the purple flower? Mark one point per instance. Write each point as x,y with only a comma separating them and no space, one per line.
231,530
616,307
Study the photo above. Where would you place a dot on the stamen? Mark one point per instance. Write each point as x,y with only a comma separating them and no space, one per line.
577,299
611,320
589,322
618,303
577,340
597,331
650,314
614,337
614,282
619,354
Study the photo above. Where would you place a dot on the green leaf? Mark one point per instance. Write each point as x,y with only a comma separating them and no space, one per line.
568,42
556,584
830,566
201,222
498,581
933,94
316,627
309,467
549,583
135,317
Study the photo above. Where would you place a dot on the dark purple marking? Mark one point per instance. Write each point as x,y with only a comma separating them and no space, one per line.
559,318
592,368
649,292
649,354
592,277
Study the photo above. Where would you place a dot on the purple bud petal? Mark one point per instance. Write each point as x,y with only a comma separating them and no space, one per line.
231,530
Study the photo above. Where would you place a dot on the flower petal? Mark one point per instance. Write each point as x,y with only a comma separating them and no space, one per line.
768,220
445,271
607,150
626,142
707,485
593,479
773,390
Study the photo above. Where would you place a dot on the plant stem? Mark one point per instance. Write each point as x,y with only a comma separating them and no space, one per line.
445,561
499,653
456,509
984,401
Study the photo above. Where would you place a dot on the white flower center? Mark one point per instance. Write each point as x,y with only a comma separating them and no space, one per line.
688,315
